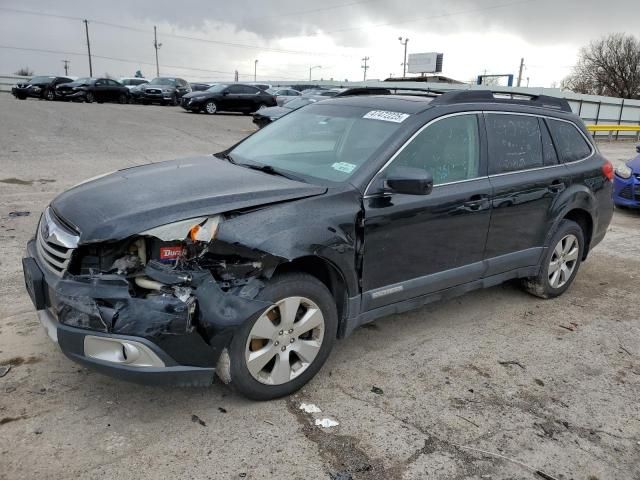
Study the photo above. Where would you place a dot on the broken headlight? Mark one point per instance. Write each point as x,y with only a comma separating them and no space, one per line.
201,229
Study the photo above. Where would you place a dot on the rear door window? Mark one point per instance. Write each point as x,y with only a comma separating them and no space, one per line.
570,143
515,143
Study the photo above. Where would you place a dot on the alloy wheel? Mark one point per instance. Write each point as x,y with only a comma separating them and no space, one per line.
284,341
563,261
211,108
89,97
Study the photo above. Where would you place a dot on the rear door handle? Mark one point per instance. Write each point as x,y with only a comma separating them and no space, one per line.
557,186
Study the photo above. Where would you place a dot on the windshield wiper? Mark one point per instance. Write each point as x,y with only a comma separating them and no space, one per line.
226,156
266,169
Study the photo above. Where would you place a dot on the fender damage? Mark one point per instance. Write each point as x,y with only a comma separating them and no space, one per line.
191,305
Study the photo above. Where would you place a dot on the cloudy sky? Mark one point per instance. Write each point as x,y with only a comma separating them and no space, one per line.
210,39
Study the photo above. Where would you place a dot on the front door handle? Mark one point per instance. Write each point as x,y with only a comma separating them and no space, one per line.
476,203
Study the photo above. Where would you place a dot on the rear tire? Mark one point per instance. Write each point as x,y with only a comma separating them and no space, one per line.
560,263
310,303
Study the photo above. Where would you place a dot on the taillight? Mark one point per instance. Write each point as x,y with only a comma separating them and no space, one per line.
607,170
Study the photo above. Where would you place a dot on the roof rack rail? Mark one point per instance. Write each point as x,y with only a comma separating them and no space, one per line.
490,96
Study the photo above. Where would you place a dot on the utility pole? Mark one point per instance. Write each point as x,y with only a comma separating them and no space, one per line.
311,69
365,67
156,45
66,66
235,76
520,74
255,70
404,63
86,29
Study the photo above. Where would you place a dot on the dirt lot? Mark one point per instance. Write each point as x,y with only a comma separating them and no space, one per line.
553,384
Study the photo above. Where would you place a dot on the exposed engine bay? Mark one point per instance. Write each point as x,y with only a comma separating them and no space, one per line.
174,279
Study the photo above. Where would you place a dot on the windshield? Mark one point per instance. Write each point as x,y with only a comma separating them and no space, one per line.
42,79
325,142
297,103
217,88
163,81
84,80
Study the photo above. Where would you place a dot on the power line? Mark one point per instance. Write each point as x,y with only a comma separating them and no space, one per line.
125,60
183,37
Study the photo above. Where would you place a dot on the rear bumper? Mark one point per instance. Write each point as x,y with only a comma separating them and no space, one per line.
79,346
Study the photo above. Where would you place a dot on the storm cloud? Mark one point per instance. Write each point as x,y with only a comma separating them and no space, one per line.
335,34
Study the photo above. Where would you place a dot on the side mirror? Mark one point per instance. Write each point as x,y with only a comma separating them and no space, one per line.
411,181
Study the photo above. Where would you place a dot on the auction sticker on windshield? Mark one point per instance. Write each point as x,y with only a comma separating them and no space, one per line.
343,167
386,116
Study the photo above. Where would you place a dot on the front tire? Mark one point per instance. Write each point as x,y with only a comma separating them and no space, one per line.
89,98
278,352
211,108
560,263
123,99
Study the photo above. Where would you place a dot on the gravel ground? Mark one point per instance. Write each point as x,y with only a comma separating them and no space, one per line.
552,384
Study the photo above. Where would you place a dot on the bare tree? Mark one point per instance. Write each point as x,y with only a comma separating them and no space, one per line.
24,72
609,66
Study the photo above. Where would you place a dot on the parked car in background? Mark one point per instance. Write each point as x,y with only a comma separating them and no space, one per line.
251,263
131,82
90,90
265,116
234,97
200,87
43,86
261,86
324,92
164,90
283,95
626,183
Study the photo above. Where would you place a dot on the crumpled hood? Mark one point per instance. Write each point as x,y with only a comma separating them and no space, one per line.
73,84
136,199
197,94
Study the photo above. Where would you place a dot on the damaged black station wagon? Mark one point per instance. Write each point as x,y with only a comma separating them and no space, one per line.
251,262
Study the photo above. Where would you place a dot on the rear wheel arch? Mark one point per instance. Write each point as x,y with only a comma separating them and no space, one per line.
327,273
583,218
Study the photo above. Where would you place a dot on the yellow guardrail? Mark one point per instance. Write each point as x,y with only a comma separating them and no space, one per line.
613,128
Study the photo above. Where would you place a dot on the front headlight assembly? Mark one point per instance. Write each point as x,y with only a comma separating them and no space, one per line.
624,171
201,229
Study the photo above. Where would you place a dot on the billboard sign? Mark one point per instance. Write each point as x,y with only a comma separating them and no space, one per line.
425,62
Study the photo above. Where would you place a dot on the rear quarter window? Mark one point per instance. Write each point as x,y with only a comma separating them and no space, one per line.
570,143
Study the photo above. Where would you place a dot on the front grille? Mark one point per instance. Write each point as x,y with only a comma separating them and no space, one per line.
154,92
626,193
55,242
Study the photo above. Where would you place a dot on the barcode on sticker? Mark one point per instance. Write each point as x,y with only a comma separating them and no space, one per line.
386,116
